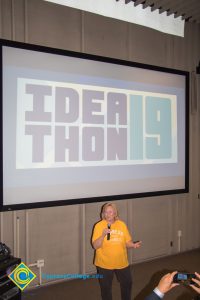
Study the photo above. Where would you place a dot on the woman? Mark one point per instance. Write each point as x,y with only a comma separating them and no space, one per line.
111,239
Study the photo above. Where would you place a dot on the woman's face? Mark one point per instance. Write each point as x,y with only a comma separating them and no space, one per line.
109,214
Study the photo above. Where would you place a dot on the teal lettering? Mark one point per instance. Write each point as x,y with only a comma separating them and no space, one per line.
158,124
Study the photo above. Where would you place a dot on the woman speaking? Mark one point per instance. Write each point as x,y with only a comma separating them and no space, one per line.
111,239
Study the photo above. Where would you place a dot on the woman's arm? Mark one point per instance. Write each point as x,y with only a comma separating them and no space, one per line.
98,242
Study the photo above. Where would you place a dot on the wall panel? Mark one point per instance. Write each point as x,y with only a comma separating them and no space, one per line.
18,16
51,25
151,225
6,19
7,229
105,36
147,46
54,235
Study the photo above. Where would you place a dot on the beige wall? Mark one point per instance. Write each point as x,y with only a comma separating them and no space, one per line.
61,235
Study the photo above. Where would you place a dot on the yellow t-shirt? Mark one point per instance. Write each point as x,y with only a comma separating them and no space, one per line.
113,252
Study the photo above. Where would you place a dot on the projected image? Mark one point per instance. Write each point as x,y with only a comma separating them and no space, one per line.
80,128
64,124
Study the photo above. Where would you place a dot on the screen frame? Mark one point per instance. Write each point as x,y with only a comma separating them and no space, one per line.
62,52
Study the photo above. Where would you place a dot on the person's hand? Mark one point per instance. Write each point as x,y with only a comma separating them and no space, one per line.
137,244
105,232
197,281
166,283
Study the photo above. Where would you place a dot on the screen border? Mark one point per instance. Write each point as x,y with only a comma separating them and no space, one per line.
62,52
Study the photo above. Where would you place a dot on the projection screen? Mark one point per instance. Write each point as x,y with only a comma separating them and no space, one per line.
79,128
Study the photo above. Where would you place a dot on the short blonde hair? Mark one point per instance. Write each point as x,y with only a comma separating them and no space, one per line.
113,207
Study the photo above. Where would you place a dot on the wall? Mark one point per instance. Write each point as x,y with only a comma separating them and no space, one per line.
61,235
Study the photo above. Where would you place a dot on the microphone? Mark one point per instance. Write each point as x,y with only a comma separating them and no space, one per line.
108,234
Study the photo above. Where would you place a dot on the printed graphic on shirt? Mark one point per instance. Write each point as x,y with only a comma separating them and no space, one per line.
116,235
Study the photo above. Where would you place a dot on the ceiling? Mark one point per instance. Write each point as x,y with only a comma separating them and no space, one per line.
189,10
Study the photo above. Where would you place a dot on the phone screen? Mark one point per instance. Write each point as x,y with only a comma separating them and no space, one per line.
184,278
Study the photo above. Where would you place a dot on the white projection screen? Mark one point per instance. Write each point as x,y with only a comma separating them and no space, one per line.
78,128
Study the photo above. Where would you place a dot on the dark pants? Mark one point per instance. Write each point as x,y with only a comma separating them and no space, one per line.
124,278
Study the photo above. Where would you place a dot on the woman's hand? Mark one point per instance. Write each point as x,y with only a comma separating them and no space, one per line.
105,232
137,244
134,245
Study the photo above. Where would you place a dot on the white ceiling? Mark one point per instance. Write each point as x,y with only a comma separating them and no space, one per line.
189,10
130,11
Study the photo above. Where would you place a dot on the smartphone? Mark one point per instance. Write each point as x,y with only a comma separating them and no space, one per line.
184,278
